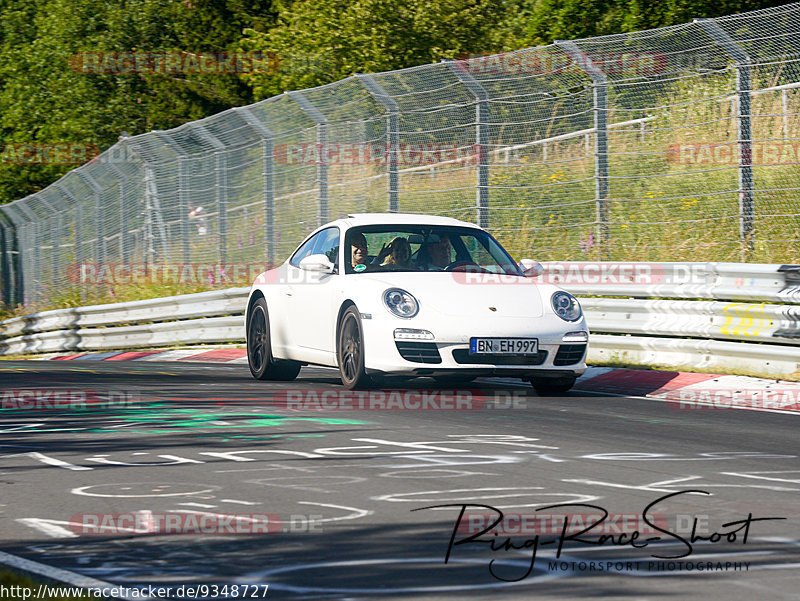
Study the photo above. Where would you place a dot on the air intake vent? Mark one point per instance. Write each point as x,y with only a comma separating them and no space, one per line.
419,352
569,354
464,357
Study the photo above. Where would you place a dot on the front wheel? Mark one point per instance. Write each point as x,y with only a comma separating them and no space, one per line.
350,351
553,385
259,349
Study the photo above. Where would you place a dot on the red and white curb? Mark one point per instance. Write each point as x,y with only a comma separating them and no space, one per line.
220,355
685,389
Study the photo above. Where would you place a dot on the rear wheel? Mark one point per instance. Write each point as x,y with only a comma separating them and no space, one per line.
259,349
553,385
350,351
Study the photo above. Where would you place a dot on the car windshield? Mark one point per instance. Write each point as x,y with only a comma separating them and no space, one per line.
425,248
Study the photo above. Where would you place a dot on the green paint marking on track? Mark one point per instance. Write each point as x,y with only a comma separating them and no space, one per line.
178,420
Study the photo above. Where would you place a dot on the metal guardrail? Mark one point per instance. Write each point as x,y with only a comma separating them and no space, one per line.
719,281
756,322
186,319
710,355
752,335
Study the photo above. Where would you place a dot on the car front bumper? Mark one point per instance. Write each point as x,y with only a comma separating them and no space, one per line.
448,351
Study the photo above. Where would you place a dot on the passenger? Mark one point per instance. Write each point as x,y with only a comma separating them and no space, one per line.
397,253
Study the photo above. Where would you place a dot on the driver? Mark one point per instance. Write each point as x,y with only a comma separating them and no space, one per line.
358,244
436,253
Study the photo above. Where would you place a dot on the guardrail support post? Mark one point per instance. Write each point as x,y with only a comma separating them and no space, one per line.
600,93
481,136
392,135
269,180
744,130
322,140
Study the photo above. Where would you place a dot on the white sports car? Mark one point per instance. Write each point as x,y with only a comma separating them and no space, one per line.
412,295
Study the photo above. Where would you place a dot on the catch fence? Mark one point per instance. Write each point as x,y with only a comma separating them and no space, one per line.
680,143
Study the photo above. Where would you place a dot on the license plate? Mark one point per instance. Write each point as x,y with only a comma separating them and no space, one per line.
503,346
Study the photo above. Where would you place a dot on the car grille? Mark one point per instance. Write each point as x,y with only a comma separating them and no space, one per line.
464,357
419,352
569,354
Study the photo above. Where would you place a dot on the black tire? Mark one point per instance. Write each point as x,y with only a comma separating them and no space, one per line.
553,385
259,350
453,380
350,351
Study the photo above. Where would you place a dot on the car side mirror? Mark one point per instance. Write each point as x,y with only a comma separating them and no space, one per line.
317,263
531,268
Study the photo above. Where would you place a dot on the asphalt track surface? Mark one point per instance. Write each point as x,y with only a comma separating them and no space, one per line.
341,488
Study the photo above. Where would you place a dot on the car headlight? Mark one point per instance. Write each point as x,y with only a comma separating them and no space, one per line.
400,302
566,306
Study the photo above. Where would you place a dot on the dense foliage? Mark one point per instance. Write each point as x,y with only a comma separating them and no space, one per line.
47,96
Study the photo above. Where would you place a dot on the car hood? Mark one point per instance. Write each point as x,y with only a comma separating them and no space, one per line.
451,293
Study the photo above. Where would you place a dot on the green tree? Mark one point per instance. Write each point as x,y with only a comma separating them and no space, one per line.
320,42
46,99
537,22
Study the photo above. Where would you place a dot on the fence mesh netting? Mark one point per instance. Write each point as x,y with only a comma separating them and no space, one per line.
678,143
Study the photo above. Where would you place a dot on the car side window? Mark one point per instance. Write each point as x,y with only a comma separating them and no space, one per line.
325,243
328,245
304,250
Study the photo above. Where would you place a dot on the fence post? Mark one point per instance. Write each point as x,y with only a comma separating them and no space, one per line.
183,197
123,220
9,260
100,249
322,140
30,259
221,168
4,267
392,135
744,130
78,232
600,94
269,180
481,136
55,262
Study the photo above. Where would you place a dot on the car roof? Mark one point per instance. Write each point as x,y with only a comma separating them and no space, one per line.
358,219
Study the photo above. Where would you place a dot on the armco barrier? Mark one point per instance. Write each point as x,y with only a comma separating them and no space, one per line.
645,326
187,319
756,322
